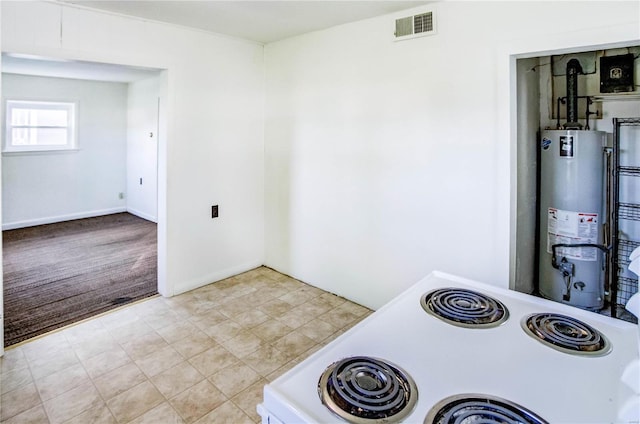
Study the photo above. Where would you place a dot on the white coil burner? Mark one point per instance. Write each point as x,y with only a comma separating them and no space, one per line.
464,308
367,390
566,334
476,408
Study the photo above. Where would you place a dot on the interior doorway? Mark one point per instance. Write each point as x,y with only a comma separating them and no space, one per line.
121,176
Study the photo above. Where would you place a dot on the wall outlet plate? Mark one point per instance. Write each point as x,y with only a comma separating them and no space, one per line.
214,211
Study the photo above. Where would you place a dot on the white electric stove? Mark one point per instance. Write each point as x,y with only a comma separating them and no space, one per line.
407,363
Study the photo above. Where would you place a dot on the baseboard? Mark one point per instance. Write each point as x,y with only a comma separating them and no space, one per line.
216,276
60,218
142,215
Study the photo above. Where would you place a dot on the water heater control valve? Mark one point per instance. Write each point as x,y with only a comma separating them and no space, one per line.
567,268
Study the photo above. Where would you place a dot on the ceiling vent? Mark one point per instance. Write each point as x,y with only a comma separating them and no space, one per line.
415,26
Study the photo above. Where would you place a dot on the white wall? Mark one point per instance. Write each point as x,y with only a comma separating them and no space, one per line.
211,152
385,161
142,148
47,187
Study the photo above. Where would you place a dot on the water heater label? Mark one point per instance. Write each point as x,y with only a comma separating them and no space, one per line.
569,227
566,146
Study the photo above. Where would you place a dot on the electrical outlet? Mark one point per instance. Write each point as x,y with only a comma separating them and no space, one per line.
140,181
214,211
121,195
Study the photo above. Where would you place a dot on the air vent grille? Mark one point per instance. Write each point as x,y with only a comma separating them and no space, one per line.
414,26
404,27
423,23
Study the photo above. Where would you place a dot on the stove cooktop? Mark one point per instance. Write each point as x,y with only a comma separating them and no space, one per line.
447,360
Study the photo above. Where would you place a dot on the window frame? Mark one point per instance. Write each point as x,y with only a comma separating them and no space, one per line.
68,105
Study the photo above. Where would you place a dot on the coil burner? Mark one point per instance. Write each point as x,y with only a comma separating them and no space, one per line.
464,308
566,334
367,390
475,408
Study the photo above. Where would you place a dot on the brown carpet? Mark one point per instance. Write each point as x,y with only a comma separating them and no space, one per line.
61,273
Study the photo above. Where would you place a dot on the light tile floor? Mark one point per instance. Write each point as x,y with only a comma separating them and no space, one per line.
200,357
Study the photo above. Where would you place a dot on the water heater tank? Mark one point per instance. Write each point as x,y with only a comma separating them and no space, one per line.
571,212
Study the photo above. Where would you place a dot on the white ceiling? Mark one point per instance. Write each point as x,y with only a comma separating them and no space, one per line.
261,21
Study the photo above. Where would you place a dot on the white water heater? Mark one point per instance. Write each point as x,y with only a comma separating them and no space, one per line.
571,251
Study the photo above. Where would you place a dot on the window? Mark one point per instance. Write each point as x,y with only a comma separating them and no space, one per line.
38,126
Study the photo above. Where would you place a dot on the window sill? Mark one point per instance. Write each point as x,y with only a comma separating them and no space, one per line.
39,152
